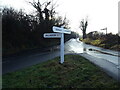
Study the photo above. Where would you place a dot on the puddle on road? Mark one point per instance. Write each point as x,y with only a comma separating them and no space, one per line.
103,52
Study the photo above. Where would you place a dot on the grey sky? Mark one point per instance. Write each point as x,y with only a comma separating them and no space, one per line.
101,13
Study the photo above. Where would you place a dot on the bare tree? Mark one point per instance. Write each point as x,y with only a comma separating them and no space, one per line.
45,10
83,27
52,9
38,6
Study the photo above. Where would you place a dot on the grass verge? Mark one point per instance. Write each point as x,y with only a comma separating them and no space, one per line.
75,72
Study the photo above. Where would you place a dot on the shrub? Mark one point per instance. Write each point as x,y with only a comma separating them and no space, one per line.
116,47
87,41
102,45
96,42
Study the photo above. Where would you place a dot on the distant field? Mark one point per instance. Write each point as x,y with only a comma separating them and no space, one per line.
76,72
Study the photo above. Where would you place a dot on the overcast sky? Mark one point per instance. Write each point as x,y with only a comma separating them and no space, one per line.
100,13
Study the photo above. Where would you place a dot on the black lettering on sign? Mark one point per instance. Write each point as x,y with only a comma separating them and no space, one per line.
52,35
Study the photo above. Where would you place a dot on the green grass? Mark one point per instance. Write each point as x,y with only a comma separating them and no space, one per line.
75,72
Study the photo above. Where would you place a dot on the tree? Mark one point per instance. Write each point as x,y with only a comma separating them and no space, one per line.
47,19
22,31
15,28
45,11
83,27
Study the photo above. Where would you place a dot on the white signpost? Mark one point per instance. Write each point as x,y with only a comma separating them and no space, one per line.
61,30
59,34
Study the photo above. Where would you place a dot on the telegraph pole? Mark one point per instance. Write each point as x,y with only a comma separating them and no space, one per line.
105,29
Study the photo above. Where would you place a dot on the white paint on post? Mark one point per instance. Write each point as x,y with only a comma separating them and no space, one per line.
62,49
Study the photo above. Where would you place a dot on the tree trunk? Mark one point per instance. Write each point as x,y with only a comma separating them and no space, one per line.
84,34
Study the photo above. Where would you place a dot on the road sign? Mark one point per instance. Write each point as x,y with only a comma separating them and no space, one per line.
60,35
52,35
61,30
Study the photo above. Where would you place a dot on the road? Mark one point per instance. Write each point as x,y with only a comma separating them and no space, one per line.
107,60
15,63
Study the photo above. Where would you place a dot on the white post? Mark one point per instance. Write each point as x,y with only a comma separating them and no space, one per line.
62,48
62,31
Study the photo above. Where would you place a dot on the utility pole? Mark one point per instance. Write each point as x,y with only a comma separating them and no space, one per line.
105,29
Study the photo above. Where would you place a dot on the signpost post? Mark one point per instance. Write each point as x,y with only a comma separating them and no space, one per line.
59,34
62,48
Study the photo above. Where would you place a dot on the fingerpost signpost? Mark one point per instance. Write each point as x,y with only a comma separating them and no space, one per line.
60,31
